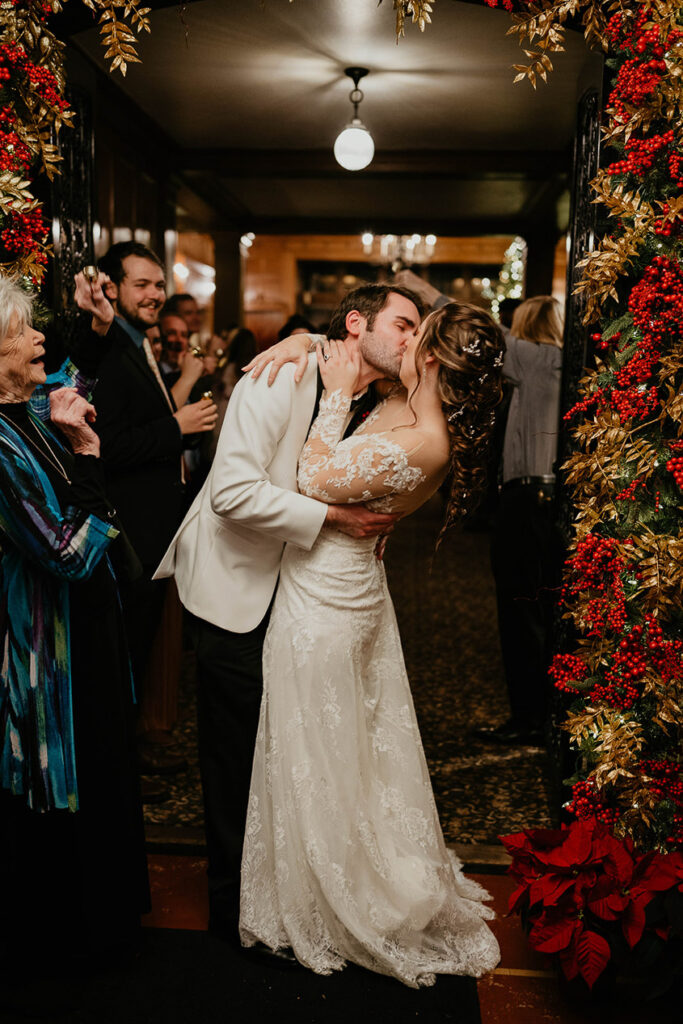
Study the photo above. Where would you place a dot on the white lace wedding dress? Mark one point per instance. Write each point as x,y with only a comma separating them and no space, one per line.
344,859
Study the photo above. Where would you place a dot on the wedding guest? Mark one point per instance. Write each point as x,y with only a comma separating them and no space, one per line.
155,342
175,337
142,435
242,349
159,704
506,311
526,551
185,305
183,367
296,324
160,689
73,875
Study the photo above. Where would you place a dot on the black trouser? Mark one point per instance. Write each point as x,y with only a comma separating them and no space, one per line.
229,688
143,604
526,556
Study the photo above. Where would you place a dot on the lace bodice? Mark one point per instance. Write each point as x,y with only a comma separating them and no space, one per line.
390,469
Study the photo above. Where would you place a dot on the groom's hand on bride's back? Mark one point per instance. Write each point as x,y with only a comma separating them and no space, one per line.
359,521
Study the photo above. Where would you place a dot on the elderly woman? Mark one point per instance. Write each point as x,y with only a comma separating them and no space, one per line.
73,875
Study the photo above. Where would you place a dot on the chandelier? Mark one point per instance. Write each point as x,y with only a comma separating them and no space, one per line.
398,250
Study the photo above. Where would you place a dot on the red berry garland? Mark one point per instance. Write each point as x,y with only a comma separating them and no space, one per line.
597,567
636,81
586,802
641,650
25,233
676,169
656,302
629,493
664,782
675,466
642,154
656,305
567,670
40,80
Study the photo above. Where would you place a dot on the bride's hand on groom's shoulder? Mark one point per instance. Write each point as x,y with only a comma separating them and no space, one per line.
294,349
339,366
358,521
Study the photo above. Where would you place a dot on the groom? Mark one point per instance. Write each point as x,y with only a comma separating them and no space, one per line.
227,552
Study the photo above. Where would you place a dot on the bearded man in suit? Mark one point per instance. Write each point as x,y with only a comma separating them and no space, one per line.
141,434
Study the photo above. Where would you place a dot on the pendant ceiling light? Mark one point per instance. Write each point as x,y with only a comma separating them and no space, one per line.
354,148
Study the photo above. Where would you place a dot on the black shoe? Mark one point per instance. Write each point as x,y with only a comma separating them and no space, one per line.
156,759
228,930
282,959
510,734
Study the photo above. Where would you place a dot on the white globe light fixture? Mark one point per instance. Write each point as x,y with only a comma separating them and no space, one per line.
354,148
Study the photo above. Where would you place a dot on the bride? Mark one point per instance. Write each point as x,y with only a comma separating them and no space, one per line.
344,859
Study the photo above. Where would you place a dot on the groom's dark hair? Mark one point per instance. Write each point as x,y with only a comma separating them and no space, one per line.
368,300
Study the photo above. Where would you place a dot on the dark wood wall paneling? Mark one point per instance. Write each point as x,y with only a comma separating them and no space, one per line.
130,186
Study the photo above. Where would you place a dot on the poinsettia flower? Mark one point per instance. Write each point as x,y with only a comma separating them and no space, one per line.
553,932
658,872
579,884
606,900
548,889
573,851
633,919
593,954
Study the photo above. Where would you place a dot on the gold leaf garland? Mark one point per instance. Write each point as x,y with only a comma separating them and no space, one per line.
39,120
418,10
611,455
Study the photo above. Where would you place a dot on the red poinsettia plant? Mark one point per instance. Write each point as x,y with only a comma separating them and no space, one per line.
589,898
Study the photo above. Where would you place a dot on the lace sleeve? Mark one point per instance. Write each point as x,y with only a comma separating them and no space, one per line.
360,468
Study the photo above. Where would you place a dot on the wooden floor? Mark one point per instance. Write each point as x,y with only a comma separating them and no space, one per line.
524,989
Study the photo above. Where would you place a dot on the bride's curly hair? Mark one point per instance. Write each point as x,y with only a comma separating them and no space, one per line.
469,346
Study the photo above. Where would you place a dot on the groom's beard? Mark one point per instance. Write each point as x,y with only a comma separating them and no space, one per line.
381,354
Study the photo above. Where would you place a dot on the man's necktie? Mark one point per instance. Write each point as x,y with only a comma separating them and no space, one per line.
149,355
147,349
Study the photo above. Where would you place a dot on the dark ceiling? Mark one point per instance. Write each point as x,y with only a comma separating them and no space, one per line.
253,94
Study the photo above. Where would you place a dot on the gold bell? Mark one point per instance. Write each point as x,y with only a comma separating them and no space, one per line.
208,395
196,352
90,274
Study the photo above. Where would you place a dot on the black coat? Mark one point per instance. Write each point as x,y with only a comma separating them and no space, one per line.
141,447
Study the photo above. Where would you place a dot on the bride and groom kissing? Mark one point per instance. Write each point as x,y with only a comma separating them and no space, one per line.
323,838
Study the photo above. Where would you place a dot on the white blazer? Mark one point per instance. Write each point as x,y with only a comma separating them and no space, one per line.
226,555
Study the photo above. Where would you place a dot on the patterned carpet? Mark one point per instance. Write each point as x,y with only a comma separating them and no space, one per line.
445,605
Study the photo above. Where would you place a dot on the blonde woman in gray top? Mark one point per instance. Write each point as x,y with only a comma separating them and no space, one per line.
533,364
